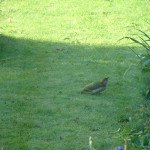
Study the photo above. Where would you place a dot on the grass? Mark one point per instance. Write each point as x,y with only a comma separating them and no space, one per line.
55,48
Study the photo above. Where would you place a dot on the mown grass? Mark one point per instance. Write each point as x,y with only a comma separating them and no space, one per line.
55,48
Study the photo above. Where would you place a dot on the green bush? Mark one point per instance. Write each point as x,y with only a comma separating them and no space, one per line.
139,137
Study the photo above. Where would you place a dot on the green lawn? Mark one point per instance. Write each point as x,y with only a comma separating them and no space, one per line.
55,48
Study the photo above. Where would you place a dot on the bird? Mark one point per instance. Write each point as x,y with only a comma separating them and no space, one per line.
95,87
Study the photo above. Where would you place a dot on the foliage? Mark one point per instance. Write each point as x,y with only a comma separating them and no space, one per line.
143,40
139,136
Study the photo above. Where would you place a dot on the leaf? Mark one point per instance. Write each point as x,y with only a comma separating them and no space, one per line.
143,33
136,140
136,41
145,43
146,63
146,140
142,56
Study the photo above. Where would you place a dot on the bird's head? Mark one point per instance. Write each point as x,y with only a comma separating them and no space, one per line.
104,80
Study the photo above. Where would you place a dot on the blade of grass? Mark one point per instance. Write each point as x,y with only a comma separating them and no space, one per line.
145,62
144,41
134,40
143,33
146,44
135,53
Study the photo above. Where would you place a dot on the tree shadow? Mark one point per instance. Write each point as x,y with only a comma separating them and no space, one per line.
40,83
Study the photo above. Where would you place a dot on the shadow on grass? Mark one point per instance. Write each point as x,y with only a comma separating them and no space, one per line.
28,53
41,107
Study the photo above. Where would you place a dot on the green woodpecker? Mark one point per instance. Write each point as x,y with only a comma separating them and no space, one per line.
95,87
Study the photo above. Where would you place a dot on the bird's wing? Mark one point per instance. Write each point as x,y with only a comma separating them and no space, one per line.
92,86
100,89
